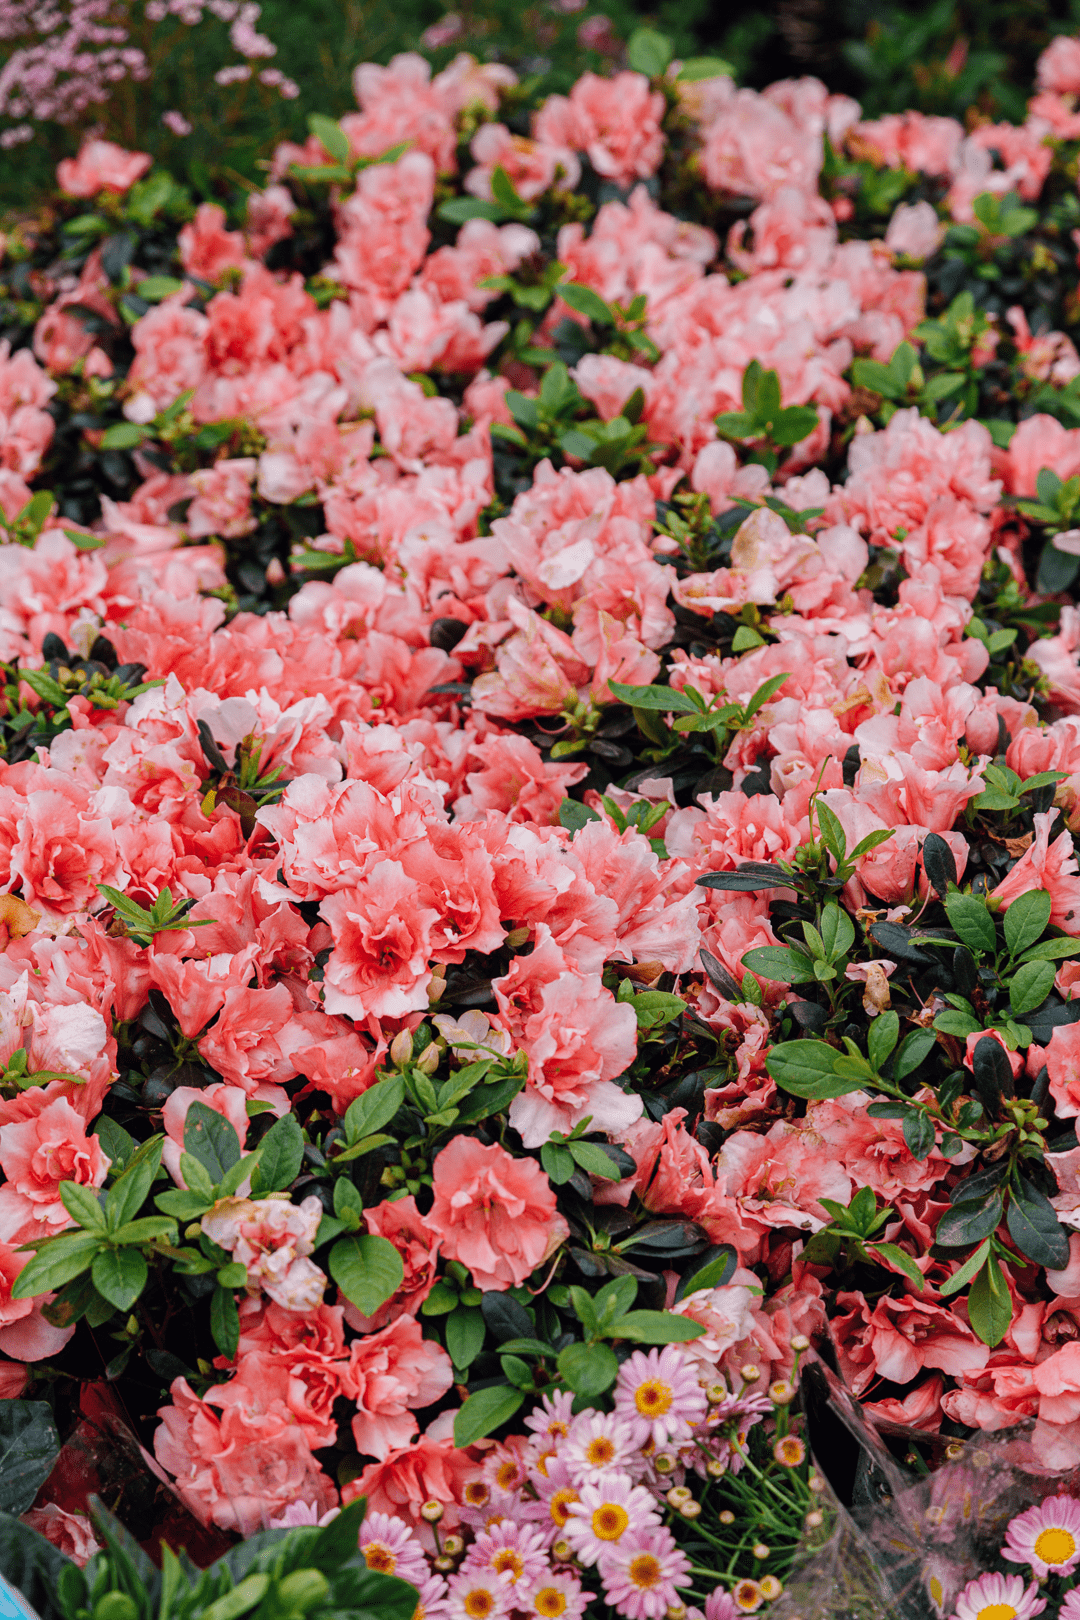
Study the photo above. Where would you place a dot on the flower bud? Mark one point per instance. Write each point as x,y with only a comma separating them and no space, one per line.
800,1342
562,1551
715,1468
814,1519
816,1484
115,1606
760,1550
771,1587
665,1462
453,1546
401,1048
444,1565
676,1611
679,1494
716,1392
431,1511
727,1517
750,1374
428,1061
781,1393
691,1509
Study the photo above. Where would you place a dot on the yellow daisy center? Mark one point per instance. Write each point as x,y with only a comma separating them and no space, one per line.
560,1506
508,1475
378,1557
653,1398
1055,1545
507,1560
476,1493
997,1611
600,1451
609,1521
479,1604
645,1571
549,1601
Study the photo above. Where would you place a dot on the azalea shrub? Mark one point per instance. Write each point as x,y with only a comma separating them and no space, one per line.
540,766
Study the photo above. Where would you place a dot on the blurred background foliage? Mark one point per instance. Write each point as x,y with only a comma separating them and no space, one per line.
940,56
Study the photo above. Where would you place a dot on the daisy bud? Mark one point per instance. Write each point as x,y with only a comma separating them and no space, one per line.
676,1611
665,1462
690,1510
679,1494
444,1565
716,1392
749,1374
800,1342
816,1484
727,1517
715,1468
562,1551
432,1511
401,1048
814,1519
760,1550
453,1546
771,1587
954,1451
781,1393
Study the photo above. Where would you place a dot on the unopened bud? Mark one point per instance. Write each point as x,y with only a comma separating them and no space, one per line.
453,1546
716,1392
954,1451
781,1393
800,1342
760,1550
676,1611
691,1509
401,1048
727,1517
816,1484
750,1374
432,1511
679,1494
115,1606
444,1564
428,1061
814,1519
665,1462
715,1468
770,1586
562,1551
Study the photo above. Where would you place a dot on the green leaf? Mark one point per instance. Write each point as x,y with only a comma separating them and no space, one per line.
971,1265
123,436
589,1369
695,68
130,1191
374,1108
655,1007
558,1163
331,135
281,1153
119,1275
29,1445
971,921
919,1135
807,1069
882,1036
1052,950
440,1301
146,1230
573,815
585,302
780,962
664,698
225,1322
1030,986
117,1144
209,1137
485,1412
460,209
1035,1228
155,288
56,1263
837,930
648,52
655,1327
465,1333
970,1222
900,1257
713,1274
367,1269
82,1205
990,1304
594,1161
1026,920
914,1050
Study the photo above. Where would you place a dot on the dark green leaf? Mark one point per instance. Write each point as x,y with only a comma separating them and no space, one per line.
980,1185
29,1445
664,698
990,1304
967,1271
713,1274
939,863
900,1258
656,1327
781,963
225,1321
881,1038
919,1135
992,1076
374,1108
574,815
55,1264
1031,984
589,1369
82,1205
653,1008
35,1568
1035,1228
969,1222
807,1069
1026,920
130,1191
745,879
485,1412
558,1163
595,1160
505,1318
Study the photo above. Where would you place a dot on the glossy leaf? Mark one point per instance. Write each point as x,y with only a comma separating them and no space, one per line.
1034,1227
29,1445
209,1137
990,1304
367,1269
485,1412
119,1275
969,1222
656,1327
1026,920
589,1369
971,921
281,1153
808,1069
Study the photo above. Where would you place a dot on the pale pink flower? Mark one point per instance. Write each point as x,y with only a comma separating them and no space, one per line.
273,1239
1046,1537
642,1574
605,1512
390,1548
989,1597
597,1443
658,1396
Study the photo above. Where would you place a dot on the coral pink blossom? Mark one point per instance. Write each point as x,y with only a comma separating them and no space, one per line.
36,1155
388,1375
101,166
494,1213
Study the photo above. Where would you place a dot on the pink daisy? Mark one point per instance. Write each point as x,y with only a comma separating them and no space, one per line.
557,1494
432,1604
1070,1608
478,1595
388,1545
605,1513
998,1597
598,1442
506,1465
551,1418
641,1574
659,1396
513,1552
558,1597
720,1605
1047,1537
484,1505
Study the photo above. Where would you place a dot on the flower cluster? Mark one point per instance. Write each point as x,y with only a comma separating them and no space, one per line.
540,764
